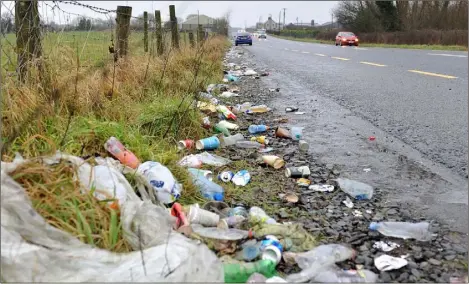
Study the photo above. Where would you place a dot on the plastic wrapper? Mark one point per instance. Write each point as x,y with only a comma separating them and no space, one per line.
34,251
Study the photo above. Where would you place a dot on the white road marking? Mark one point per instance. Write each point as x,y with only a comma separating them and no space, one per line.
304,52
372,64
294,50
444,54
319,54
287,48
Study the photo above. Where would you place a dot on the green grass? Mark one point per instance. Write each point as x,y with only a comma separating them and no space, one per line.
382,45
137,101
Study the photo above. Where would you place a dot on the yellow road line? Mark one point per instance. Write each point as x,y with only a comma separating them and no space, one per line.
319,54
304,52
373,64
340,58
433,74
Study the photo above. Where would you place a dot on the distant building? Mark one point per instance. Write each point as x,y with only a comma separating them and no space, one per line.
193,23
271,25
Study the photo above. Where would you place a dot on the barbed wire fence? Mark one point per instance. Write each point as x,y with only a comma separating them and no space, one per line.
31,29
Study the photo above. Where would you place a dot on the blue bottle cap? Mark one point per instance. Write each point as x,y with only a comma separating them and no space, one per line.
218,196
373,226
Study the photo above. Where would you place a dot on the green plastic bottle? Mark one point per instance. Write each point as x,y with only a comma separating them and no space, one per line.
220,129
240,272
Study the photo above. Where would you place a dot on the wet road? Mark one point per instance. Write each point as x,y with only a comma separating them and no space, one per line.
424,109
420,120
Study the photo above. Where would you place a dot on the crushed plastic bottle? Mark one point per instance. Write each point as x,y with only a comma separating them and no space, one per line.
334,274
324,254
315,260
209,189
404,230
256,215
249,145
356,189
240,272
220,234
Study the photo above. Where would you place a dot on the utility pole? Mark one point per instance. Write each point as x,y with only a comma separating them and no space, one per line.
279,15
284,17
297,21
332,21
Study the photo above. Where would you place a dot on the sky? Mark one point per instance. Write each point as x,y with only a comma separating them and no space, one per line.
242,12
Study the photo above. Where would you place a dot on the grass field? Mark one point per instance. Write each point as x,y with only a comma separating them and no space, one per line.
92,47
364,44
75,108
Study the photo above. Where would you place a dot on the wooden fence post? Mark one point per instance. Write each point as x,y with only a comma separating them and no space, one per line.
28,35
191,39
158,33
200,34
145,31
123,30
174,26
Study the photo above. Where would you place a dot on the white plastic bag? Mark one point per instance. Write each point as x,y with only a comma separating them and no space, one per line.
161,179
34,251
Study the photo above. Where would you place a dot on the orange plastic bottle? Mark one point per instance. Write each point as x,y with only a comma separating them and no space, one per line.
118,150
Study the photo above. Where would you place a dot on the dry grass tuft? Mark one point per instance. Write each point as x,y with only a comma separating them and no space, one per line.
56,195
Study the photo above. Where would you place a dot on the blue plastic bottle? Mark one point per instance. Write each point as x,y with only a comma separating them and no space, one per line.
253,129
209,189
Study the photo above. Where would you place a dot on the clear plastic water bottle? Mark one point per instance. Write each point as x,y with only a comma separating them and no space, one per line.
404,230
356,189
334,274
325,255
249,145
209,189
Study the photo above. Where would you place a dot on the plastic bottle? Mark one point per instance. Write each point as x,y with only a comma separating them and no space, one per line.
249,145
253,129
230,140
403,230
258,109
297,133
256,214
334,274
324,255
226,112
228,125
221,129
356,189
240,272
209,189
118,150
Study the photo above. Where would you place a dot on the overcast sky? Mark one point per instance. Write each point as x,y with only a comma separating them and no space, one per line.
242,12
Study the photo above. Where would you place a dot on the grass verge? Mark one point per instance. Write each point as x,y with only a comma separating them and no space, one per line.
145,101
382,45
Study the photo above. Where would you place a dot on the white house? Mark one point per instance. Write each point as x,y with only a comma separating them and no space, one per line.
193,22
271,25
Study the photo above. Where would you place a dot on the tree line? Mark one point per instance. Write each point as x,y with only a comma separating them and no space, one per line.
391,16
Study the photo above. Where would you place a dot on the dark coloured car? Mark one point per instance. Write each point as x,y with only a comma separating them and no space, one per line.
243,38
346,38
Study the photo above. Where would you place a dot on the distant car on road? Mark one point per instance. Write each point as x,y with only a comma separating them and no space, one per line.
243,38
262,34
346,38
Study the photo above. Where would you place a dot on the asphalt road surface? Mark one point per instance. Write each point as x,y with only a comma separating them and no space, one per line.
414,101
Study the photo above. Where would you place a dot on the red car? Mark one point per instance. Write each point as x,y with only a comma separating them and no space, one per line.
346,38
